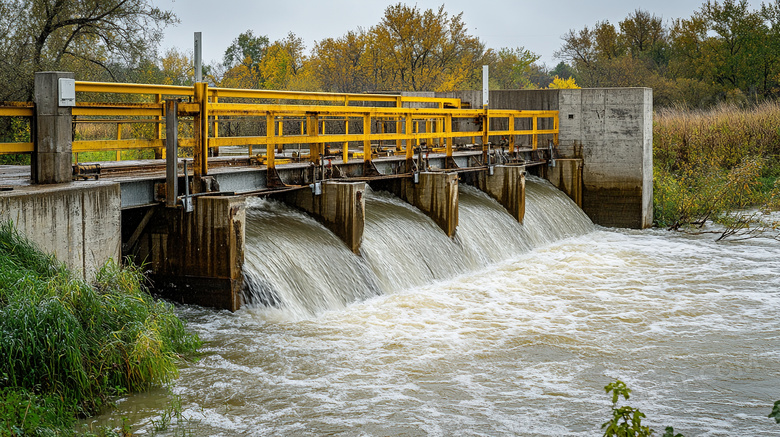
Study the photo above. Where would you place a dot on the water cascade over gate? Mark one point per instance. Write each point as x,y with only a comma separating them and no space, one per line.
296,266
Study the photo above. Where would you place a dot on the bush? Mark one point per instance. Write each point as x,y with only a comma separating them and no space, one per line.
82,343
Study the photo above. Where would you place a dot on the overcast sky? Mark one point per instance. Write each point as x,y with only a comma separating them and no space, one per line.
536,25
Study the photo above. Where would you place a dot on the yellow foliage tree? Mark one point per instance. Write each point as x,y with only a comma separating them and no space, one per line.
561,84
409,50
339,63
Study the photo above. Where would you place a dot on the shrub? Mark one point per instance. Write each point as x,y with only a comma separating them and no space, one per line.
82,343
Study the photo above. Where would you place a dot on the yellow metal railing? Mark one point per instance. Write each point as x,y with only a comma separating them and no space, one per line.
16,109
403,121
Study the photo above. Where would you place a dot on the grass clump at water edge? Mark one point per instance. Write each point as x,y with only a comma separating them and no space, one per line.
66,346
710,165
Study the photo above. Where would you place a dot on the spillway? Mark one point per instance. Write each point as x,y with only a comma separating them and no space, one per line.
528,321
295,267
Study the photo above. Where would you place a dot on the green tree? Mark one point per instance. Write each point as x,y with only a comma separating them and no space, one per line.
512,68
74,35
736,52
243,58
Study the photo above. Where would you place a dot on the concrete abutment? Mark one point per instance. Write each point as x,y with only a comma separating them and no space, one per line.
341,207
435,194
79,223
198,257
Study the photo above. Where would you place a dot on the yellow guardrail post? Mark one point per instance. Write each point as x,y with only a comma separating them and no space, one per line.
398,104
367,137
312,130
410,141
280,146
215,99
440,128
448,134
119,138
345,151
534,130
270,147
512,135
201,131
159,152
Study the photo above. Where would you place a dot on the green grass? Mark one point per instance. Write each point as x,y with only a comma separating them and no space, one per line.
68,346
708,164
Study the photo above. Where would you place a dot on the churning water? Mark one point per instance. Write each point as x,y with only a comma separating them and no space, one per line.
508,329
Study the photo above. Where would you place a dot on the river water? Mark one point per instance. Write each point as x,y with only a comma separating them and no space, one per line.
508,330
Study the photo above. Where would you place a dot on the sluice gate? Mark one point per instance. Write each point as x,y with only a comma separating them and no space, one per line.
182,208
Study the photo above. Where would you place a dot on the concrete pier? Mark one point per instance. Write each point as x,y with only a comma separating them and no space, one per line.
506,185
51,162
341,207
436,195
566,175
198,257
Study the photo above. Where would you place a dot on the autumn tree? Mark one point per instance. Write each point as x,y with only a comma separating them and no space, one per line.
423,50
340,63
512,68
282,67
89,37
242,60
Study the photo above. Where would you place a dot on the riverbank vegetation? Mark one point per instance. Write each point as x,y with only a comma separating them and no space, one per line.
712,165
68,346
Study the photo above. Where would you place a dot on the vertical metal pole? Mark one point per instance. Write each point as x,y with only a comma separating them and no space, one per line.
198,57
486,119
485,87
171,152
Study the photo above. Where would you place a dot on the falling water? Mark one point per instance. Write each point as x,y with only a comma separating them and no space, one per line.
507,329
294,264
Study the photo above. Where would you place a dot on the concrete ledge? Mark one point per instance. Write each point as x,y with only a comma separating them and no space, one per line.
506,185
341,208
79,222
436,195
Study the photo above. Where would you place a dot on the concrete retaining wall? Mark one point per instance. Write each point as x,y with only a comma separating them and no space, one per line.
80,223
613,128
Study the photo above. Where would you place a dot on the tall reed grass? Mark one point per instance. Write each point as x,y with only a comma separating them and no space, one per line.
710,162
62,338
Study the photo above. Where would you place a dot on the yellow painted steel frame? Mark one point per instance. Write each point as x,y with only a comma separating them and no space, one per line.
204,102
16,109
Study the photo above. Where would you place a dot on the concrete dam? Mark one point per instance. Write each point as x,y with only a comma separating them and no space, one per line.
350,199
